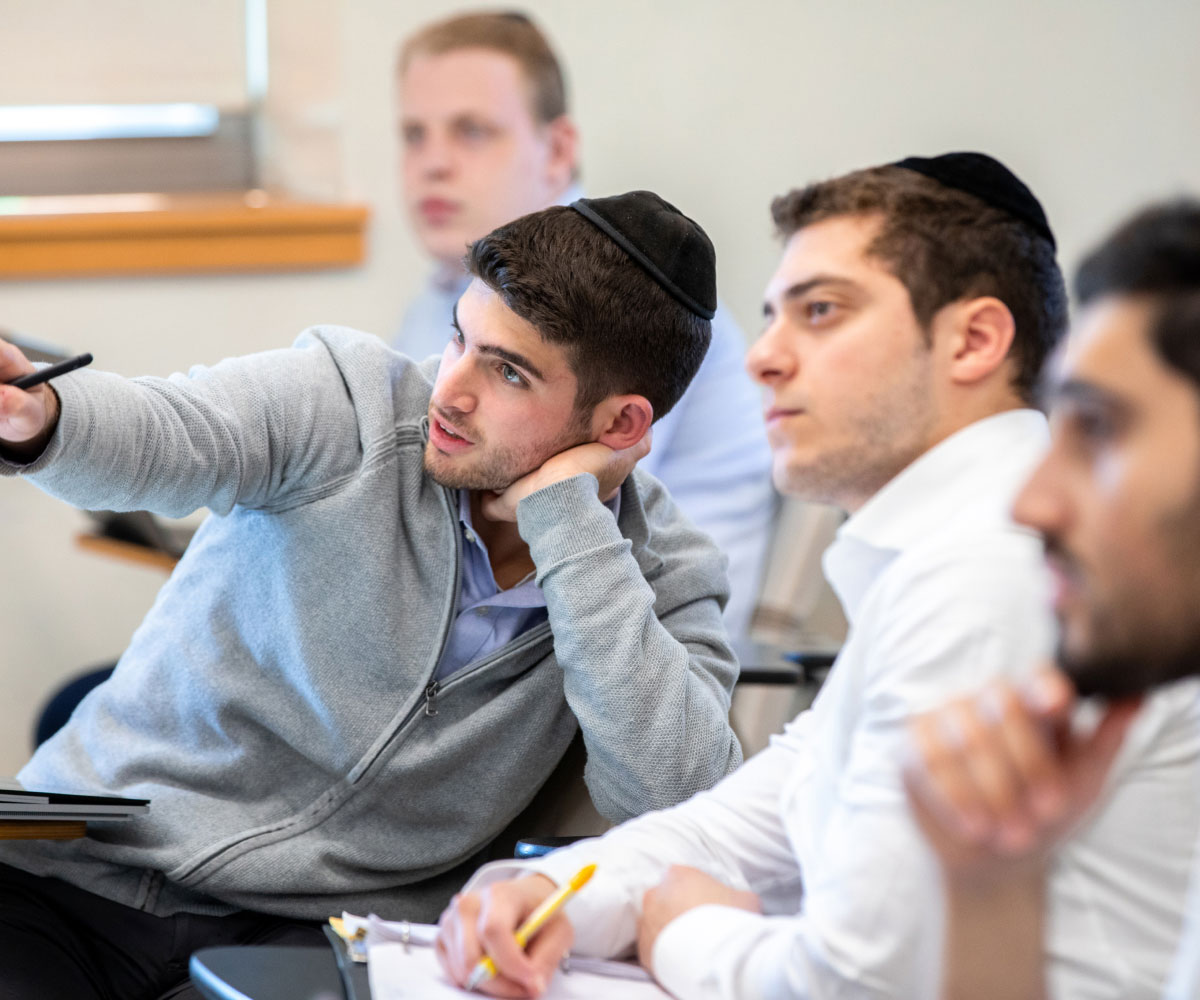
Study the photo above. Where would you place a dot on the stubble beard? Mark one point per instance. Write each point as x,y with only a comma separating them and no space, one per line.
1140,642
501,465
1130,669
883,440
498,471
848,477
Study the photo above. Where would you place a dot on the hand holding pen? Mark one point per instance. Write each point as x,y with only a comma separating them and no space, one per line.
40,375
486,969
483,936
28,415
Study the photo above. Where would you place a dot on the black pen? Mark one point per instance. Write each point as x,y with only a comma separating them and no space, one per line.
51,371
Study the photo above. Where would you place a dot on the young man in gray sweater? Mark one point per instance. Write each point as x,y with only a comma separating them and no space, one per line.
421,580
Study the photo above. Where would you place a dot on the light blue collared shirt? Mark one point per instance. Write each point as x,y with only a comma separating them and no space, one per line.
487,617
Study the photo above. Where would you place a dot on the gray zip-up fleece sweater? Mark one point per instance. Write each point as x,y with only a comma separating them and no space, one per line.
277,704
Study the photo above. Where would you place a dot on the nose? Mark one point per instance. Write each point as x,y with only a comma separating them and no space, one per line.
769,360
437,159
1043,503
454,391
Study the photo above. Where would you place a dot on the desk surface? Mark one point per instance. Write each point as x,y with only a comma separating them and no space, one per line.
41,829
142,555
272,972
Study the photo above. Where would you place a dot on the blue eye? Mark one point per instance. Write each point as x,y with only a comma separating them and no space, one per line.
511,375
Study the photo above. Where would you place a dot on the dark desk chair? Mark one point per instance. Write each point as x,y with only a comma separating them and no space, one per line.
809,669
62,703
271,972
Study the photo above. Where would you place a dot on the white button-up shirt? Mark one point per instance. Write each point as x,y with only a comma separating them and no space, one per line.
943,592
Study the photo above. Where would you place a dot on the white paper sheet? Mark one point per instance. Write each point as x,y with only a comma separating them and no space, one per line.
397,974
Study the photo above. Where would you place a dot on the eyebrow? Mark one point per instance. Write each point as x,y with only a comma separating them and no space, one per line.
1074,390
802,288
512,357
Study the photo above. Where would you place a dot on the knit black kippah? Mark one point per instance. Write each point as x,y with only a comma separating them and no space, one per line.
988,180
668,245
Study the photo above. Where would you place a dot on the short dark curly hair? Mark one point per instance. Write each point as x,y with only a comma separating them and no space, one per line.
1155,255
622,332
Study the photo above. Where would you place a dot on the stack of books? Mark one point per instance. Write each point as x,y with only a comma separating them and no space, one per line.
27,813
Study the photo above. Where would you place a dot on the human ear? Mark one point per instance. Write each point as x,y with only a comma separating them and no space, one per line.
562,152
984,329
622,421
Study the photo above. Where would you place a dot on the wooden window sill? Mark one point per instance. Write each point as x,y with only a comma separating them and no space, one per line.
76,235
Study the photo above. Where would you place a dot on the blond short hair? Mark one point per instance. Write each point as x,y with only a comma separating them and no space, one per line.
507,32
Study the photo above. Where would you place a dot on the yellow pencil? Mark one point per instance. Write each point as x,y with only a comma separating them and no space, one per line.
550,906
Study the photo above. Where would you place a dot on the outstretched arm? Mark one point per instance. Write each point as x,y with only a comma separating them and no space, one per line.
246,430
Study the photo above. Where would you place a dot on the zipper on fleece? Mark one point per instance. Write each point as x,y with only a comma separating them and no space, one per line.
431,690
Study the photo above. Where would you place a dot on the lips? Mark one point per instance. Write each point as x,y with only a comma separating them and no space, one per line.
445,436
437,211
776,413
1065,582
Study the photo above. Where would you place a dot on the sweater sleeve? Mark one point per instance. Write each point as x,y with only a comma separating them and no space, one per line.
254,431
646,670
734,832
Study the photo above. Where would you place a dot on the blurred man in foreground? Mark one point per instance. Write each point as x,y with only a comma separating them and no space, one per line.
1010,782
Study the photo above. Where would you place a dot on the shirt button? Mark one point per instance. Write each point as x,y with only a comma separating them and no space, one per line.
471,536
482,612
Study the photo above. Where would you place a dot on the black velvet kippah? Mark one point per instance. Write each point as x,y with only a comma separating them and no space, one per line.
669,246
988,180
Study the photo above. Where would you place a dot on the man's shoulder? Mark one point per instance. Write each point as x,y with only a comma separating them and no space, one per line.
653,503
379,378
945,618
652,519
989,563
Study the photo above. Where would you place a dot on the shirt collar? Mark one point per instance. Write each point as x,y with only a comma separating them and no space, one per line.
971,477
472,538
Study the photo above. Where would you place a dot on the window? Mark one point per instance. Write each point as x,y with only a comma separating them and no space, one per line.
130,95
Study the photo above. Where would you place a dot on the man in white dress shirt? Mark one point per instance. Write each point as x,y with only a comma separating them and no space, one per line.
1117,500
485,137
906,324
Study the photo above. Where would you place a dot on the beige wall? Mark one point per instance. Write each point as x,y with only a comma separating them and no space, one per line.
717,105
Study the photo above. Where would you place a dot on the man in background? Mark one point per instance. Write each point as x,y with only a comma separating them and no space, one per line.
1006,786
485,137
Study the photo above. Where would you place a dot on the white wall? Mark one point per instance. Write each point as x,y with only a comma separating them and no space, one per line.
717,105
